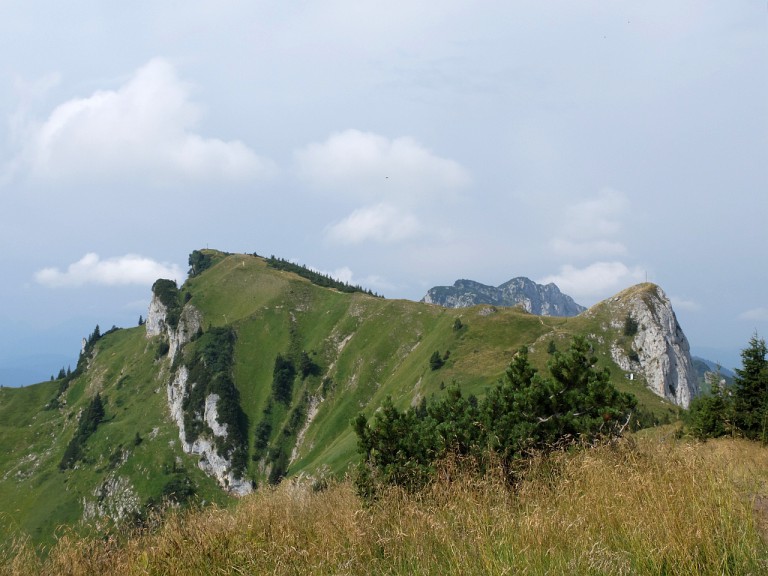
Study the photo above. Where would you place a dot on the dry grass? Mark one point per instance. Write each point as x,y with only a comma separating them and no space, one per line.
636,507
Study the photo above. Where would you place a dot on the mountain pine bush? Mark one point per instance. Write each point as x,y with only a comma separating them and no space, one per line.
523,414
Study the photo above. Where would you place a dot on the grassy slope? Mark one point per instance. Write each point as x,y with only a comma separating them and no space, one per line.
35,496
639,506
367,348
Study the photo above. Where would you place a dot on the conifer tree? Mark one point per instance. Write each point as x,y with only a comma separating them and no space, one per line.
282,379
89,420
709,415
525,412
751,390
436,361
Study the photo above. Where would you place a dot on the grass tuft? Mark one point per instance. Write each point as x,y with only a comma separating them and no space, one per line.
638,506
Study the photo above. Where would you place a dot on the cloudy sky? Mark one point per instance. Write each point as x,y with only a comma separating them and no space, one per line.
399,145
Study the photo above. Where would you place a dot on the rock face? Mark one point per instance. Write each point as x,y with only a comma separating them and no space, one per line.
210,461
190,321
155,323
213,464
543,300
655,346
115,498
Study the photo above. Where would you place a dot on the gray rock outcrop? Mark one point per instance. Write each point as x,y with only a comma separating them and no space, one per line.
190,322
543,300
211,462
658,349
156,321
114,499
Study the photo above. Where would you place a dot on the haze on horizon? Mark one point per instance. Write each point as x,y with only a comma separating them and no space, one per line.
398,146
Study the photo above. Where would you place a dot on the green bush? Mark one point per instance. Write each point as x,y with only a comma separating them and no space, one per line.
283,375
630,326
89,420
211,370
261,439
199,262
436,361
750,391
740,408
706,416
524,413
168,293
307,366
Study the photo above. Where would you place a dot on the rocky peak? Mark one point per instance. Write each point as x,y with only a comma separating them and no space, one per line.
543,300
654,344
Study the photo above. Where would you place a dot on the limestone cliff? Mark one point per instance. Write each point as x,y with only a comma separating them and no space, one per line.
650,342
189,323
211,462
157,315
204,446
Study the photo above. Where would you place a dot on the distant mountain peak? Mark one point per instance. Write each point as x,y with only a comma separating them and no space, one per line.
542,300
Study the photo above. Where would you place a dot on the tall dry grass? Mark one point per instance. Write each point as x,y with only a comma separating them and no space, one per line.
639,506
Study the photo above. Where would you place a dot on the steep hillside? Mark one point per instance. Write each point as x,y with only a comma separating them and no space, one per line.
130,460
247,373
544,300
653,344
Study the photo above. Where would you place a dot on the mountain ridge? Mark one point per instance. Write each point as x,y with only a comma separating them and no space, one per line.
346,352
543,300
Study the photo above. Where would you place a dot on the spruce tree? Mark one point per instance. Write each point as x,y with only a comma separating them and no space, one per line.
282,379
436,361
751,390
709,414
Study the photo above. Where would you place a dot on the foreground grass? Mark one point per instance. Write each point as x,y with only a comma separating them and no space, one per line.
637,507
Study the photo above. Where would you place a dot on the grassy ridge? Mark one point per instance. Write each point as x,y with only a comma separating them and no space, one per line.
366,348
641,506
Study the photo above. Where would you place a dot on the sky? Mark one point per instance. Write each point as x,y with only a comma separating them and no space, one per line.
398,145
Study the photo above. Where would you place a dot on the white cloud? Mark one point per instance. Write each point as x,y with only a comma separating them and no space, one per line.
683,304
590,233
34,90
597,217
598,280
758,314
591,226
143,129
90,269
345,274
593,248
382,223
367,165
